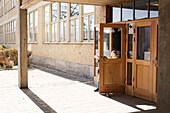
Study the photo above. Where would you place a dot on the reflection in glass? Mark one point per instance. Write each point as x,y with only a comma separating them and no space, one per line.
77,30
129,74
116,13
63,10
72,30
154,4
88,9
127,11
85,28
54,11
74,10
143,43
141,9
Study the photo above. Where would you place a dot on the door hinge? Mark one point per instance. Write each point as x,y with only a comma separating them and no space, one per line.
134,30
133,87
125,31
134,39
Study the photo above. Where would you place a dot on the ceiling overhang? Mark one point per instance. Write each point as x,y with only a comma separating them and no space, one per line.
29,3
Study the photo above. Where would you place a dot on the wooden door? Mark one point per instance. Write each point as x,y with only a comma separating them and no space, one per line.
112,58
143,74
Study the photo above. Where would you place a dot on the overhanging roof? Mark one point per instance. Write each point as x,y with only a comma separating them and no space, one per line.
29,3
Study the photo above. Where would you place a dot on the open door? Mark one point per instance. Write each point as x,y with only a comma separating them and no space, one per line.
112,58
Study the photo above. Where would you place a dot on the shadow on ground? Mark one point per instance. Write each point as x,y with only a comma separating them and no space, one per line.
38,101
137,103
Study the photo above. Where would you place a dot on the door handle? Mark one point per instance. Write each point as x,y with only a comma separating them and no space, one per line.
155,62
103,58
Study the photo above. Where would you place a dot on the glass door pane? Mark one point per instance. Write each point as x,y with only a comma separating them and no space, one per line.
112,42
143,43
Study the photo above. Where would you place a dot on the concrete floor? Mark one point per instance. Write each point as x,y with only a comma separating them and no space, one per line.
52,91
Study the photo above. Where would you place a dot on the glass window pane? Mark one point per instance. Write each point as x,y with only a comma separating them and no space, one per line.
31,20
154,4
61,31
85,28
47,14
54,12
127,11
130,41
36,18
55,32
63,12
106,42
116,42
141,9
74,10
47,33
45,37
72,30
65,31
36,34
88,9
116,13
129,74
77,30
92,27
143,43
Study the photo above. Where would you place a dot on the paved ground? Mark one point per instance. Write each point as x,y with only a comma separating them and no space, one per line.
52,91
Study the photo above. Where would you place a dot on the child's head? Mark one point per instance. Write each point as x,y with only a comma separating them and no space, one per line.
98,72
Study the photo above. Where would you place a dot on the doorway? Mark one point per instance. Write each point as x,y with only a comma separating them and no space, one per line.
133,70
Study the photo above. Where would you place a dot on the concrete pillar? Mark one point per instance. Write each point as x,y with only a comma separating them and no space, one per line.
163,86
22,48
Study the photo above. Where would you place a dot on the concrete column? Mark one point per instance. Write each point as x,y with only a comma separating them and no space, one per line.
22,48
163,86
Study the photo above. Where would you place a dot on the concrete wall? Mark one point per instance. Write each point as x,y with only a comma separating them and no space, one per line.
163,92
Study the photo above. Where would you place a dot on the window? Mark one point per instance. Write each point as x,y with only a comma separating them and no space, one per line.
116,13
85,28
1,35
74,10
10,30
36,27
54,22
46,37
138,9
141,9
63,13
74,23
154,4
88,22
127,11
32,27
